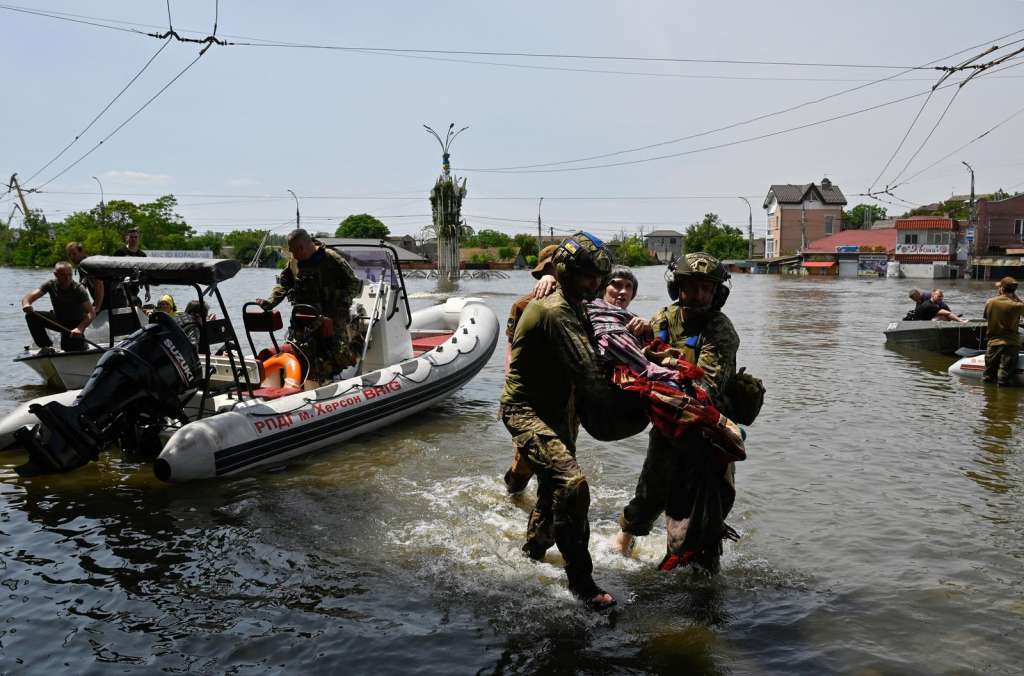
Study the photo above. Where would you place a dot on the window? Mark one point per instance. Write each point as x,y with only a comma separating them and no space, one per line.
671,240
909,238
938,237
1018,228
828,225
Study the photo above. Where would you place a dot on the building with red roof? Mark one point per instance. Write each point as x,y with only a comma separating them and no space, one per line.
851,253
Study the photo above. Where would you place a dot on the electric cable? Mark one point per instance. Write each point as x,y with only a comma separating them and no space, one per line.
100,114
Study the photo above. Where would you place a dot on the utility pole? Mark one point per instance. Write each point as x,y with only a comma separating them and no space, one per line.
750,228
551,229
21,196
540,233
803,227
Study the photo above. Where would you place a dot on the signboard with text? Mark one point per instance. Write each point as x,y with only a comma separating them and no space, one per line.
932,249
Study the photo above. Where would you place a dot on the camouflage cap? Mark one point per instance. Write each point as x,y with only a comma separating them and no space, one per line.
583,253
544,260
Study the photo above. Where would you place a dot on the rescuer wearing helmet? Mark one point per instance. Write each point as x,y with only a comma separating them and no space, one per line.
553,358
684,479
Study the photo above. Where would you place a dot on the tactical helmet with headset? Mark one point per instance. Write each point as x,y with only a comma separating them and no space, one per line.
582,254
698,265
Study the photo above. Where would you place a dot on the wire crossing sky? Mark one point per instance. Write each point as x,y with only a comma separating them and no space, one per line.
330,100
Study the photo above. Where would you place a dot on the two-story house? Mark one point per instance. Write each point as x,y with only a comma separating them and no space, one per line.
799,214
1000,226
929,247
665,244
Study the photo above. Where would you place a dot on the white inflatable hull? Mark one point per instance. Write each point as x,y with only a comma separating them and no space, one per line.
20,418
261,433
974,368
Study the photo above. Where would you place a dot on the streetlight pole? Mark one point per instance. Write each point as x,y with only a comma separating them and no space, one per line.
103,209
296,208
540,234
750,228
973,217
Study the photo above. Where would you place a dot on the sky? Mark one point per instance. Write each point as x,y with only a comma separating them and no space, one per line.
342,128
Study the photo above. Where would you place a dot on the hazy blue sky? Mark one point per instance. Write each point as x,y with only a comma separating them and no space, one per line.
249,122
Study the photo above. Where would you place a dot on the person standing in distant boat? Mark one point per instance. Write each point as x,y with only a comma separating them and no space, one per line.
131,248
1003,314
76,254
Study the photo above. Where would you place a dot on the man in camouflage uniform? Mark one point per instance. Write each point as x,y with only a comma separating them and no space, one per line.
553,356
685,479
518,474
319,277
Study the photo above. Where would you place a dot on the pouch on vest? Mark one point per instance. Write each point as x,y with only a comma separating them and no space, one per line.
745,395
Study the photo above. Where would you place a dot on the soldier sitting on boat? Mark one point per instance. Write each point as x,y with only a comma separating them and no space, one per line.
318,277
72,311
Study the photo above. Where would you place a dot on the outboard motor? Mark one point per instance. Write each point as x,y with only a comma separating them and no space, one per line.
134,387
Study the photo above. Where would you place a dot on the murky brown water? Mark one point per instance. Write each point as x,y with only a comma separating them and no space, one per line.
881,513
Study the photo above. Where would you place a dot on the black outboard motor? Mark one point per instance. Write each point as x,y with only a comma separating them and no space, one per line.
135,386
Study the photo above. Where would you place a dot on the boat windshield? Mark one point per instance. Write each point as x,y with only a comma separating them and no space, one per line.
371,264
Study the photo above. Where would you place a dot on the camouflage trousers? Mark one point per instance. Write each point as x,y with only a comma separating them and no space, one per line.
327,355
560,516
695,490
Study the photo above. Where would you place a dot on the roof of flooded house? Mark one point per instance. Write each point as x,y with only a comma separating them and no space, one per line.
862,238
925,223
790,193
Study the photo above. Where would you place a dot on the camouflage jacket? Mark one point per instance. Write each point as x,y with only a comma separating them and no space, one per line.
324,280
552,356
714,344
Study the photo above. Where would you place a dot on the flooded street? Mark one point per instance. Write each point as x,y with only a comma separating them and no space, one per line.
880,510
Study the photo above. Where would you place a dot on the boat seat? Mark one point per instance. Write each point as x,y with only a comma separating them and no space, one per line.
422,343
275,392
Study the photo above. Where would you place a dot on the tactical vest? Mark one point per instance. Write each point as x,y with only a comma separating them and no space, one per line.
673,333
314,286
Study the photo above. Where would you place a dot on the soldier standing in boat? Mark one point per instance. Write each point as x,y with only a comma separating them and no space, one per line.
319,277
553,357
1003,314
685,478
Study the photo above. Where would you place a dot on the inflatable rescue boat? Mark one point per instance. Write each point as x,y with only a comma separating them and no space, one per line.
203,412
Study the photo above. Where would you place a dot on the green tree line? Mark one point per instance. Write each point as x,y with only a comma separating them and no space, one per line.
101,231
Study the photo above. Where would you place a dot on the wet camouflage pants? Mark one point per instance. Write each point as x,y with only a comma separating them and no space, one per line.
686,481
563,495
1001,363
327,355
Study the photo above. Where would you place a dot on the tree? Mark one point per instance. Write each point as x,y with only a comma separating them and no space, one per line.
488,239
714,237
362,226
633,252
854,218
506,253
527,244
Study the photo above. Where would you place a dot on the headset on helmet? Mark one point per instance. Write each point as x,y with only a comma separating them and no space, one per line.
698,265
582,253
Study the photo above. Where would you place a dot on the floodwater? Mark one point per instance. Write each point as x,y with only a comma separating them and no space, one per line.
880,510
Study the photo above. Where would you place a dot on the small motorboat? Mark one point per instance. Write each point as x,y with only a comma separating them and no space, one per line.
971,365
69,370
936,336
204,412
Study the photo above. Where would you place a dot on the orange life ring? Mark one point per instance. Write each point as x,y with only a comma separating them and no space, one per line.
283,361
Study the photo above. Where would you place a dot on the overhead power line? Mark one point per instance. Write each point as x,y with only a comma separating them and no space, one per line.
742,123
100,114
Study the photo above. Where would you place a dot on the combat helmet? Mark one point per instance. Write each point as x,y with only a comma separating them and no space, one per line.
698,265
583,253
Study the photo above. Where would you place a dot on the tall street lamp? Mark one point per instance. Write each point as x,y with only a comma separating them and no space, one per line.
103,209
750,228
296,208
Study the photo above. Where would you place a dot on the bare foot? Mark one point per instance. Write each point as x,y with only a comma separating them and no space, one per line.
601,601
623,543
